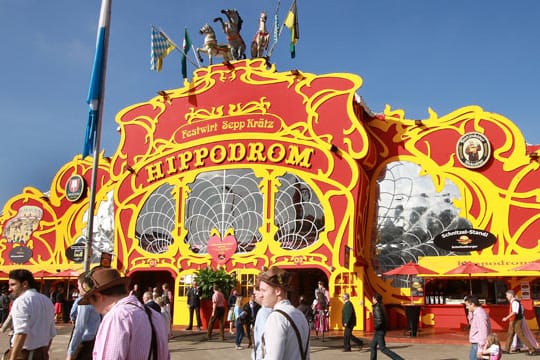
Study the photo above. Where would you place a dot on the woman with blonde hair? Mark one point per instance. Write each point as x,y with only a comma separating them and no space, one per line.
239,314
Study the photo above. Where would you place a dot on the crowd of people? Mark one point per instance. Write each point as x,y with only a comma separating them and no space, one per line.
109,322
485,344
112,322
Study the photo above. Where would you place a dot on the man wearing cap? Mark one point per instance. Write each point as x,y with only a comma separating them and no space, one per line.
33,318
286,333
128,329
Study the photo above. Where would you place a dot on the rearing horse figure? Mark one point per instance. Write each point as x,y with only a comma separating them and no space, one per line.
211,46
261,38
232,30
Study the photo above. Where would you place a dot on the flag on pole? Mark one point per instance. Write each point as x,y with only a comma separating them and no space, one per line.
292,23
161,47
186,45
97,81
276,28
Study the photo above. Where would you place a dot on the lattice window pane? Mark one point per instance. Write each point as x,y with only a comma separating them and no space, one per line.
156,221
298,213
224,200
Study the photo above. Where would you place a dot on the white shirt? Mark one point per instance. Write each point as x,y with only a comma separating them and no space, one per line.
258,328
516,306
33,315
280,340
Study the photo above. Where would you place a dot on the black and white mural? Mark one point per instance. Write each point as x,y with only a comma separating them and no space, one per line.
410,214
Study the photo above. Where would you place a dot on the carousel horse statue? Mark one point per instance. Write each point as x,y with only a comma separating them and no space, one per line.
261,39
232,30
211,48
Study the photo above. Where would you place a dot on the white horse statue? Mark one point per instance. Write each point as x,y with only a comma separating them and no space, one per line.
211,48
261,39
232,30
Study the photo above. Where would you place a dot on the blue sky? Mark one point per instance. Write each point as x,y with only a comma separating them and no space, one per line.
443,54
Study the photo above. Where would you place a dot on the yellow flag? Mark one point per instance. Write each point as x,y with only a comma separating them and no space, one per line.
292,23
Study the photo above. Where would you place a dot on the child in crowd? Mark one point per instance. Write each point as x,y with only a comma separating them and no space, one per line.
492,349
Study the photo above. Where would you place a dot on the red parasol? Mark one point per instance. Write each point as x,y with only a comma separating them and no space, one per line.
469,268
410,268
68,273
532,266
4,275
42,274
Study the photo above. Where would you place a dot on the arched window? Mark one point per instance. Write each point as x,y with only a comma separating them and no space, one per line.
298,213
156,221
224,200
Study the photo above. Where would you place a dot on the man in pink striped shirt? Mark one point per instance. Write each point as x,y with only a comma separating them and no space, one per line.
480,327
218,313
128,330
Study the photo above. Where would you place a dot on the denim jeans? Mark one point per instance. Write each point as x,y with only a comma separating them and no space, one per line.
378,339
239,332
473,352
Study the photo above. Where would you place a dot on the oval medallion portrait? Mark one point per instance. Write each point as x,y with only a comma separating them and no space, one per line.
473,150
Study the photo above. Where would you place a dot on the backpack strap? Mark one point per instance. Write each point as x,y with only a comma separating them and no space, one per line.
153,344
303,352
153,353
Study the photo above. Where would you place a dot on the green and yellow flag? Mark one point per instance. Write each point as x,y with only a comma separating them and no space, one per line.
292,23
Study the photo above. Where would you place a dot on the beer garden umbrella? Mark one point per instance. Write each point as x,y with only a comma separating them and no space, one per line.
531,266
68,273
409,269
42,274
469,268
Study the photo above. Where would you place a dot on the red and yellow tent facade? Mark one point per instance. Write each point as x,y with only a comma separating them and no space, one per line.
246,167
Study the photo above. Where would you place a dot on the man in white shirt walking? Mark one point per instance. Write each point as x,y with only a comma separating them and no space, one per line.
33,318
286,333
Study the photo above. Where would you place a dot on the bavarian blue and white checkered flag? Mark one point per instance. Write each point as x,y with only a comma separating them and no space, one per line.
161,47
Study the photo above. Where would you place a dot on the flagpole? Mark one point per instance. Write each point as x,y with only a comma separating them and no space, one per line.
96,95
180,49
277,33
196,58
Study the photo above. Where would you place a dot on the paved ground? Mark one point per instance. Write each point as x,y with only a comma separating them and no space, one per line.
445,345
